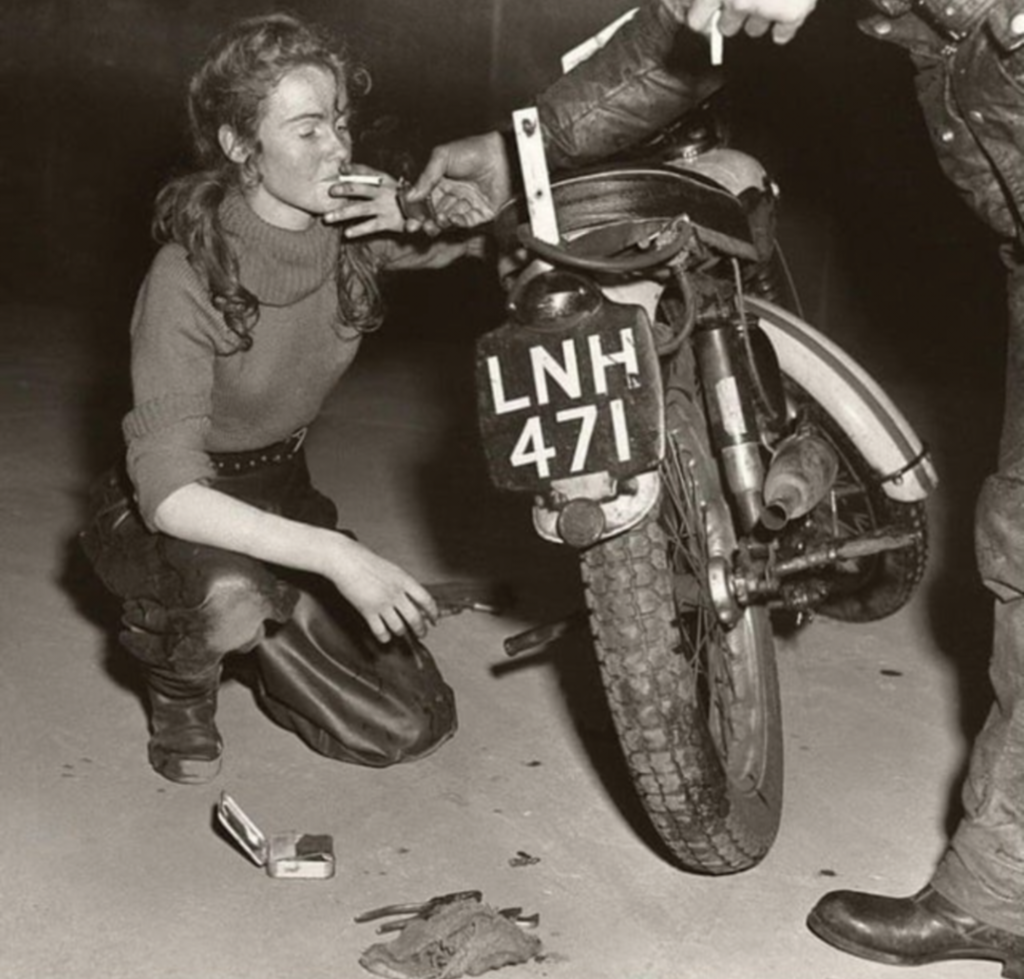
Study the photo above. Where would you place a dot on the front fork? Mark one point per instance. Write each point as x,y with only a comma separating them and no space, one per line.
732,419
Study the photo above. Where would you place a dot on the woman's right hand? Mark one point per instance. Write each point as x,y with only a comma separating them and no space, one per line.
392,602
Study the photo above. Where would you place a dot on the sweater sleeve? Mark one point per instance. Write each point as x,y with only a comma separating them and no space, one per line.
173,356
651,71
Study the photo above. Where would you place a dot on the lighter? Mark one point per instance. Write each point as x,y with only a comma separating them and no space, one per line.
295,855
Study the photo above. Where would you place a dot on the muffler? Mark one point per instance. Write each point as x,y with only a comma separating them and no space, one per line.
802,471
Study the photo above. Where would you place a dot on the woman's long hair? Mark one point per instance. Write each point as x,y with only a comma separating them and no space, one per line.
241,69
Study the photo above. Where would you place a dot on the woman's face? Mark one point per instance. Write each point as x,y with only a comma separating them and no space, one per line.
303,143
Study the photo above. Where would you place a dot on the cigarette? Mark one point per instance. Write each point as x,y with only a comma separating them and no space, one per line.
360,178
715,36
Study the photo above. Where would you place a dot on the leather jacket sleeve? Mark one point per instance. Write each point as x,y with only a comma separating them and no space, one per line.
651,71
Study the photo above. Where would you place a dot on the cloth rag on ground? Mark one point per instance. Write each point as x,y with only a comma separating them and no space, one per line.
463,938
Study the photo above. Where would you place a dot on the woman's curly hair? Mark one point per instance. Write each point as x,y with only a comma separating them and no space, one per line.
241,69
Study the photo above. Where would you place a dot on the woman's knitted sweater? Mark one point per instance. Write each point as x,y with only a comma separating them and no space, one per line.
195,392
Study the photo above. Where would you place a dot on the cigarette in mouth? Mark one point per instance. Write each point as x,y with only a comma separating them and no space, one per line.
360,178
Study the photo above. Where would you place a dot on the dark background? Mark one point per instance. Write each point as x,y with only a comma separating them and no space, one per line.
91,107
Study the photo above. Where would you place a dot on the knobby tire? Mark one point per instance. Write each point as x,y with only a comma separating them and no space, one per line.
674,675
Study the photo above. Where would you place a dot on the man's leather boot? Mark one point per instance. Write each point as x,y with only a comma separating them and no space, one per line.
185,745
916,930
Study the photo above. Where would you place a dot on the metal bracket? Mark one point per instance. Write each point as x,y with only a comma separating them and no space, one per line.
534,166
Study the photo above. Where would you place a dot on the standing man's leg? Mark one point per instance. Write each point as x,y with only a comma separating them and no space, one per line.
983,870
974,905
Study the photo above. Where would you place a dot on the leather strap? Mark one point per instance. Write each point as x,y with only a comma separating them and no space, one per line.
638,195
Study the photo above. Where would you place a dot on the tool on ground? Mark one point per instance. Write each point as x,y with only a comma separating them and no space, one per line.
417,909
453,597
423,909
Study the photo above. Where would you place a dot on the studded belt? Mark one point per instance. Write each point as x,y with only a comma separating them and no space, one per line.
229,463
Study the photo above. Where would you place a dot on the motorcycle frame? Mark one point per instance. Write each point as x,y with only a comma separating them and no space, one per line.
873,423
847,392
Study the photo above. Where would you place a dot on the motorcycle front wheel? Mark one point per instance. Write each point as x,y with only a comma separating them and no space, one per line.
695,703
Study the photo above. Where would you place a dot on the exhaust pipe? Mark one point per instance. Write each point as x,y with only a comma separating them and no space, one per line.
802,471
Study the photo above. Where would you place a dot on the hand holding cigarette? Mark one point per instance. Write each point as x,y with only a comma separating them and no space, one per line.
366,203
782,18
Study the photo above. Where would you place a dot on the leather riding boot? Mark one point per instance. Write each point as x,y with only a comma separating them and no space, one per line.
916,930
185,745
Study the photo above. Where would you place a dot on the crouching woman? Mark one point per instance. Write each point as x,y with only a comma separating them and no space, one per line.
211,531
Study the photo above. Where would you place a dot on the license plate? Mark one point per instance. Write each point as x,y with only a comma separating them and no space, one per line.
556,403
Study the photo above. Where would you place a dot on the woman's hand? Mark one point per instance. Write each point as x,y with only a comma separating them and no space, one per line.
372,208
392,601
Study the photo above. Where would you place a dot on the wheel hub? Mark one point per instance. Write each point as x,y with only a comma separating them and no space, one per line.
723,596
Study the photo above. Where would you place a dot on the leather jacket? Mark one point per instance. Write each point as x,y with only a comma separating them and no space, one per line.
648,74
969,56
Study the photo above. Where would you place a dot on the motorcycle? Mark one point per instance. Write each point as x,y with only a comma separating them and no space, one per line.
719,464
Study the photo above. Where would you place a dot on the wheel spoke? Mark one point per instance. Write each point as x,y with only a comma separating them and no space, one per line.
701,632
